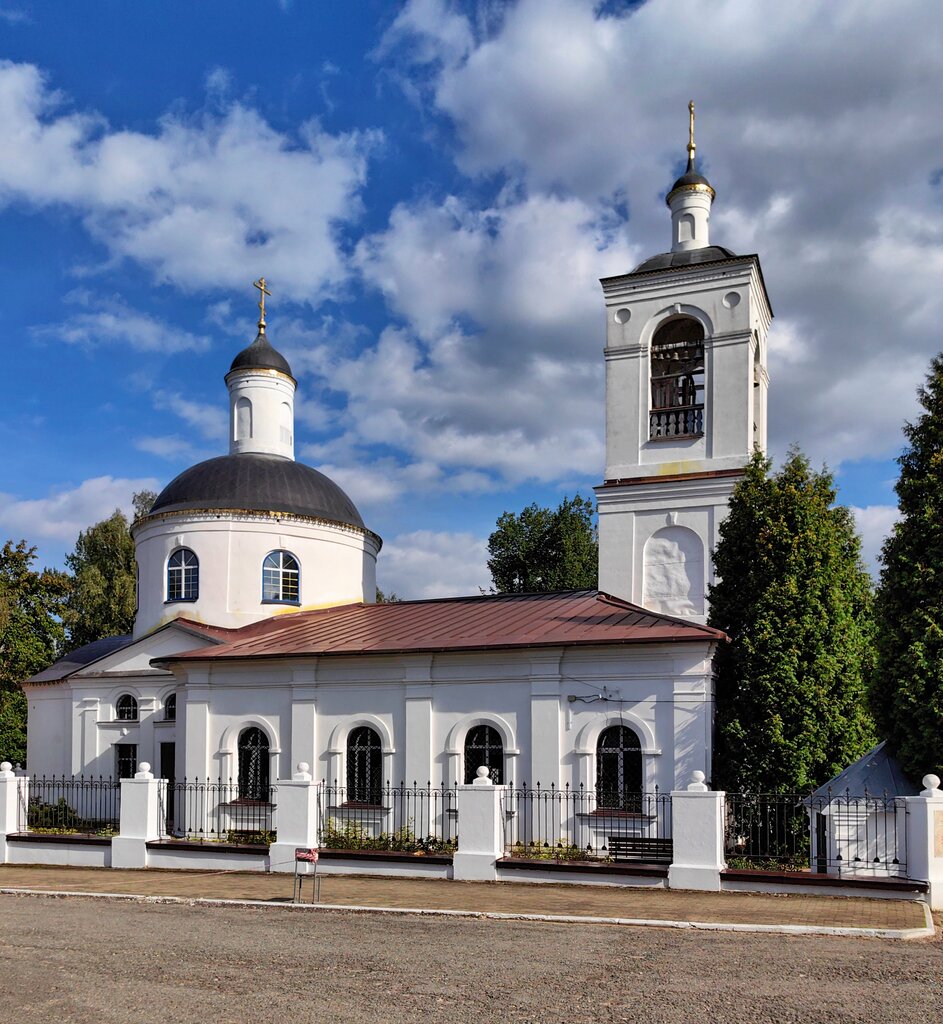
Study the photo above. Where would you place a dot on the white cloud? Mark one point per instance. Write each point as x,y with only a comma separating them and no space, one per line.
210,420
166,447
201,200
64,513
817,125
875,523
116,323
494,373
427,564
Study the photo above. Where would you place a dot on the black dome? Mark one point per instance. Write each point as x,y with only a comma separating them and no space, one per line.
684,258
690,178
258,483
261,356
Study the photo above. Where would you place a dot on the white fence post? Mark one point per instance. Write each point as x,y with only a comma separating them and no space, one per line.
480,830
925,838
13,792
140,818
296,823
697,833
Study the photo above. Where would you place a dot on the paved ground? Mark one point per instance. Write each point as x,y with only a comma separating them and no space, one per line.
90,961
512,897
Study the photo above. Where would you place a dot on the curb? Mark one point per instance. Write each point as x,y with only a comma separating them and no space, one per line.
928,931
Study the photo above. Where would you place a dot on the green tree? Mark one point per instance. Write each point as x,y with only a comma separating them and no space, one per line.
907,685
31,636
795,600
102,598
544,549
388,598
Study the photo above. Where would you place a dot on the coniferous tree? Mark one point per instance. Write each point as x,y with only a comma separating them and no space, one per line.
544,549
907,685
795,600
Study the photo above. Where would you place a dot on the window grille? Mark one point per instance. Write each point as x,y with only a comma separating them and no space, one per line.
253,765
364,766
183,576
126,708
170,708
126,760
484,746
619,769
677,374
281,578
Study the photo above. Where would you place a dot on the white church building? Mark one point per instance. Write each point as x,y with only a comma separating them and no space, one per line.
258,643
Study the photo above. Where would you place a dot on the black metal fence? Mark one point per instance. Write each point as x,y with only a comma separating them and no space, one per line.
575,824
72,805
403,818
831,833
218,810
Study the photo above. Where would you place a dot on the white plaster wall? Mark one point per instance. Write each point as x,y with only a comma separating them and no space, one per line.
421,705
266,391
205,860
74,855
338,565
630,515
664,691
730,303
50,716
72,726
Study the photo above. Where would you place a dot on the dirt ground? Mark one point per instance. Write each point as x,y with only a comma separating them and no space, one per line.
78,960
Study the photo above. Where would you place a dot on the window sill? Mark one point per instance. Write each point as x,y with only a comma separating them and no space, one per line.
677,437
182,600
296,604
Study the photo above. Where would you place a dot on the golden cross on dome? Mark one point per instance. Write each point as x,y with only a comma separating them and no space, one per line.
263,291
691,146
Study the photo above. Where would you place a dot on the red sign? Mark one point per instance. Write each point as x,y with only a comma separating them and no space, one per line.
302,853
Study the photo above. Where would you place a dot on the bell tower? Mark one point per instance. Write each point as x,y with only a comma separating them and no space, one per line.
686,387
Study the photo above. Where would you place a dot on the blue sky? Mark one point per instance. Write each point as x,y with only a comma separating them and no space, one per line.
433,190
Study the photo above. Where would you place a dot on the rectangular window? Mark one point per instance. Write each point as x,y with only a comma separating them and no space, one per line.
126,760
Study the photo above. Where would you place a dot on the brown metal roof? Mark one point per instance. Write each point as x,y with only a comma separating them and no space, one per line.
580,617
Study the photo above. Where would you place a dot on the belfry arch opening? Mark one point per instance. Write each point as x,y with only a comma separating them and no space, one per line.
677,376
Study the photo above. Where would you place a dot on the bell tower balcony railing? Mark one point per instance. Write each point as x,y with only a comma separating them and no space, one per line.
678,421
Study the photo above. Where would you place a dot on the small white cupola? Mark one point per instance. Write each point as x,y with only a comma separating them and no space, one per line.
690,201
261,396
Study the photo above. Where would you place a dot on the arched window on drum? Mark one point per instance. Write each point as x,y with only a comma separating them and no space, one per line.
183,576
677,374
281,578
619,769
484,746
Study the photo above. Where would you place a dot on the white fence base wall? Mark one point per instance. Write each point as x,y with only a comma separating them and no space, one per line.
562,877
848,891
386,869
205,860
72,855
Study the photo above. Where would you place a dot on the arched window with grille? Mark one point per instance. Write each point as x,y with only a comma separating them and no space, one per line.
183,576
253,778
484,746
619,769
364,766
281,578
677,371
170,708
126,708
